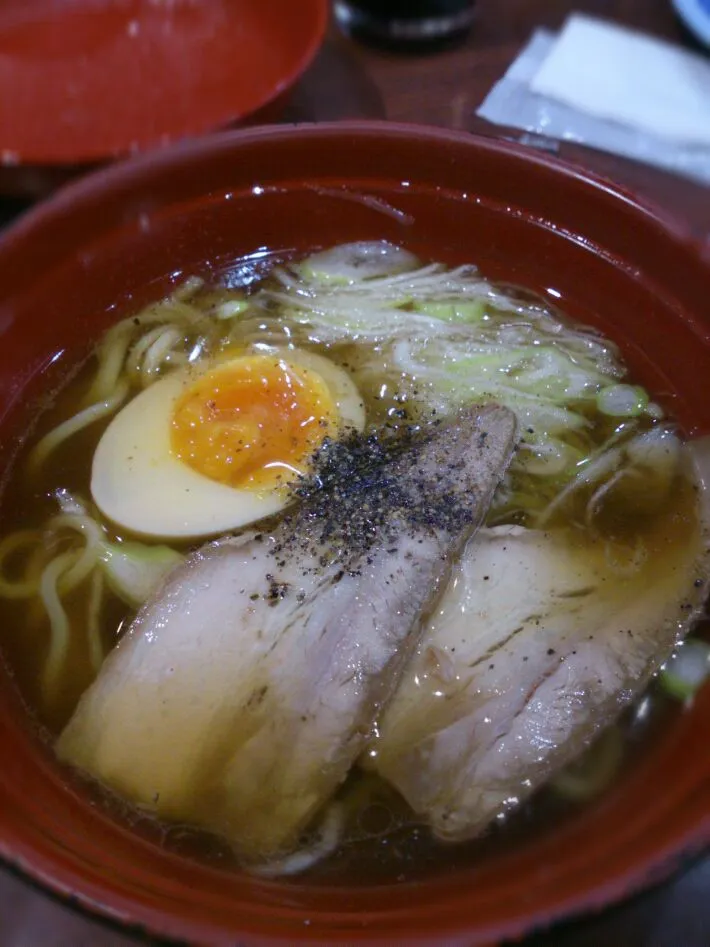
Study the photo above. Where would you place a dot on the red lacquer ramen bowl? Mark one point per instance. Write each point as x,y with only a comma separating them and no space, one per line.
120,238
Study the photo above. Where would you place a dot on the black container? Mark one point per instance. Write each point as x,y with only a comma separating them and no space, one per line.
406,25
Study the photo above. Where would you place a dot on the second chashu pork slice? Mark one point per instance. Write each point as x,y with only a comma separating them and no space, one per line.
540,641
242,694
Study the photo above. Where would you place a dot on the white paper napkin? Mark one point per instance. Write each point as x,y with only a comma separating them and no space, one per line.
618,74
611,88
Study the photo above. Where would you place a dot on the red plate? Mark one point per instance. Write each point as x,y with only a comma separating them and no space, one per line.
86,80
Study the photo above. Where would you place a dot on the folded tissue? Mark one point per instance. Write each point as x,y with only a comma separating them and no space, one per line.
611,88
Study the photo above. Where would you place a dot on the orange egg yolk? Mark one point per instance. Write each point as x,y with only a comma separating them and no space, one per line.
253,422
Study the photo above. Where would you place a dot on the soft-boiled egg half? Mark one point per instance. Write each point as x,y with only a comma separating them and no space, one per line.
206,450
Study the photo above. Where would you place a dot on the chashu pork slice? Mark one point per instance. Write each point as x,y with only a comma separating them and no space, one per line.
244,691
538,643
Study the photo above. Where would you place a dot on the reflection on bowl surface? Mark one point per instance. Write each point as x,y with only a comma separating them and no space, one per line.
233,252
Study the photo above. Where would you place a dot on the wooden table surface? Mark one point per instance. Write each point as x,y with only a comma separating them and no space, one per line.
348,81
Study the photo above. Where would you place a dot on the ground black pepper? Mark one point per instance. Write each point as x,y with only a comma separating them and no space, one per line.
365,488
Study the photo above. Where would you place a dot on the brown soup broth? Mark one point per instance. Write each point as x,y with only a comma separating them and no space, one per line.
383,841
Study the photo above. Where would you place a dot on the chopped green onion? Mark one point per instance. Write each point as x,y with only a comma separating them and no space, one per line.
622,401
687,670
489,360
454,311
231,308
551,458
134,570
349,263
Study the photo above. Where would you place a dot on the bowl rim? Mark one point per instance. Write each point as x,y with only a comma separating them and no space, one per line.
665,859
98,179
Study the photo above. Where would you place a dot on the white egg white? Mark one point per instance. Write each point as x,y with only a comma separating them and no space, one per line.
139,484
